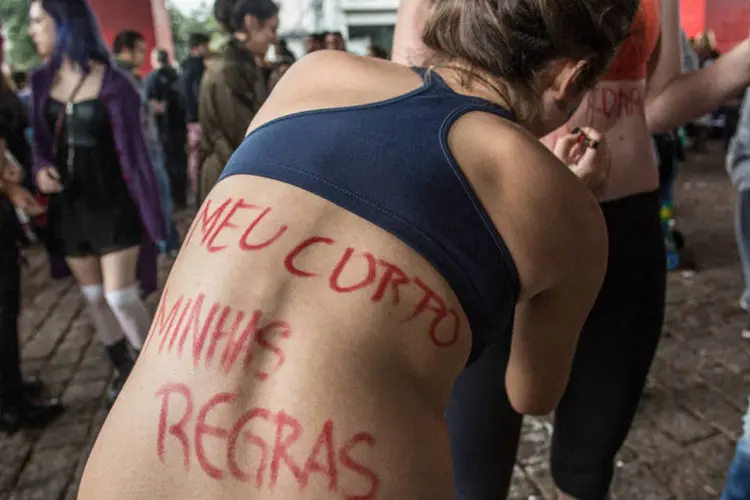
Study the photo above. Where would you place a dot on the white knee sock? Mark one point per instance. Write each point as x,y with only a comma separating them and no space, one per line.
131,313
107,327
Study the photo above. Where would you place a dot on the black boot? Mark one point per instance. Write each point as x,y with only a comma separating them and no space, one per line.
123,362
28,413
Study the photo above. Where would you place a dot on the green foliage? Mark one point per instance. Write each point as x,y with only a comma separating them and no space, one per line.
19,49
200,20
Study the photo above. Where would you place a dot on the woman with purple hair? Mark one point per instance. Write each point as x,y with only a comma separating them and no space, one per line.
92,160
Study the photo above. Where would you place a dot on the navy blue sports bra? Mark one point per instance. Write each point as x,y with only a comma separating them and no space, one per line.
389,163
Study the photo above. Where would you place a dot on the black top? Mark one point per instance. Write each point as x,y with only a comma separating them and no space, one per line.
94,174
405,182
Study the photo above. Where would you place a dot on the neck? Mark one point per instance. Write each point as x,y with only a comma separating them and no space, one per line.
70,66
478,82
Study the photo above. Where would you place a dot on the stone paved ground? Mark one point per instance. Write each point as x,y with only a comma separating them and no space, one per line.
679,448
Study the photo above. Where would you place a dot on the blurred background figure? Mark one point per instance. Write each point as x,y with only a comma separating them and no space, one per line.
277,71
377,51
91,159
334,40
234,86
129,48
162,90
282,51
314,42
190,86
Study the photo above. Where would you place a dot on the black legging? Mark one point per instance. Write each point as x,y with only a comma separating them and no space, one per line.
175,162
614,354
10,303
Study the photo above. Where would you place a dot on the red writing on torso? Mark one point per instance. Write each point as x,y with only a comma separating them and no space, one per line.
215,229
603,107
260,459
221,337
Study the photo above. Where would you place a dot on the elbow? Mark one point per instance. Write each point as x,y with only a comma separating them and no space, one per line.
535,393
657,122
535,405
535,399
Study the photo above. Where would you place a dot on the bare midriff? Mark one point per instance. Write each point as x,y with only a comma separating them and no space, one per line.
299,352
616,109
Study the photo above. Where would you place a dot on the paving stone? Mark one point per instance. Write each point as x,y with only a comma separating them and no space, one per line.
651,445
48,464
707,404
56,435
713,456
522,488
48,488
681,426
638,481
684,478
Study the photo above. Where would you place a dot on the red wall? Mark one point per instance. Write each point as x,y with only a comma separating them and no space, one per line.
693,16
150,17
728,19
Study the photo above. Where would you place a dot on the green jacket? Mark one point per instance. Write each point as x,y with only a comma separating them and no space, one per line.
232,90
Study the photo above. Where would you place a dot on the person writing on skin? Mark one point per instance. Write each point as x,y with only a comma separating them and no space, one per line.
340,275
641,93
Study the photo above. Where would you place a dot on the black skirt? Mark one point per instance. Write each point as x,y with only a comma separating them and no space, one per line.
77,229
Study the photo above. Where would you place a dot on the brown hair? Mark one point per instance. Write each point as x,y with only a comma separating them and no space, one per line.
515,40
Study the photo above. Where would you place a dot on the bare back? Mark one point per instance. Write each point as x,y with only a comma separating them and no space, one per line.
298,350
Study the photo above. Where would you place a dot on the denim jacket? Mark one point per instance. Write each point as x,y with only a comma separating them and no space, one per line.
738,157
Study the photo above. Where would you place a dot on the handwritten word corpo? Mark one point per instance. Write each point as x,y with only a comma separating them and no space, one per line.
248,456
214,228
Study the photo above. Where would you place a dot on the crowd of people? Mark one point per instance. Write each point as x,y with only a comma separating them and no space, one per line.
391,296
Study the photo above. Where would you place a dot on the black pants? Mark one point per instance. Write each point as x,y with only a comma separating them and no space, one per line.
10,306
175,162
614,354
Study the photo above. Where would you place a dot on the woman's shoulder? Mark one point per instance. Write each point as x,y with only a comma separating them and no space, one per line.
517,169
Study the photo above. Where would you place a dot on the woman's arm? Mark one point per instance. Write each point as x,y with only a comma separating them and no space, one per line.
566,282
673,98
557,237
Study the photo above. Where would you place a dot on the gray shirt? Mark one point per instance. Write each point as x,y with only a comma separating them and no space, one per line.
738,156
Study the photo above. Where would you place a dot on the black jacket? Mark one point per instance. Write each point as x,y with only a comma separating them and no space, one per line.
190,86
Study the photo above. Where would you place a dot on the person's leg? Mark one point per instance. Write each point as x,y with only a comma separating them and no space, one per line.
20,402
614,353
484,429
194,142
11,390
88,274
123,294
738,477
175,162
179,170
742,233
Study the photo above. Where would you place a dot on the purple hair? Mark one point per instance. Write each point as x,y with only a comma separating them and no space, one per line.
79,38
